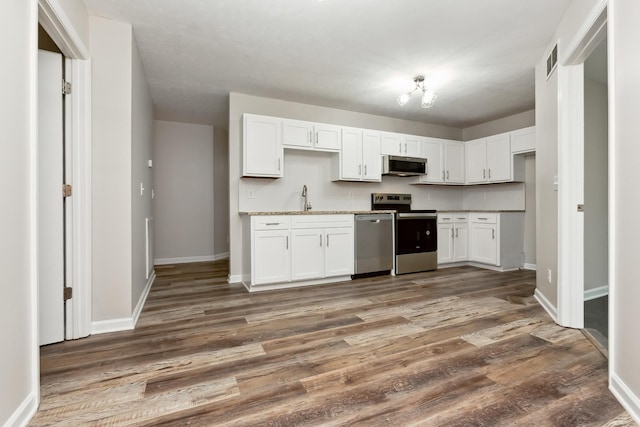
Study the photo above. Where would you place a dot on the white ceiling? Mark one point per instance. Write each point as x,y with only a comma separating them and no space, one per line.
359,55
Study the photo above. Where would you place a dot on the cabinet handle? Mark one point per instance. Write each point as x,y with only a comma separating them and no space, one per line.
321,240
489,173
309,136
493,233
426,163
452,232
365,170
272,223
316,137
287,243
327,240
278,164
447,175
484,174
456,233
400,147
405,148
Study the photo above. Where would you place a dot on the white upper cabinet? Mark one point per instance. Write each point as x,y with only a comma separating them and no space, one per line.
397,144
523,140
308,135
489,159
433,151
262,154
454,172
359,158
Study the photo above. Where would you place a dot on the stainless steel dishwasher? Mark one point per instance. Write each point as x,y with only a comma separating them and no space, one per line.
374,244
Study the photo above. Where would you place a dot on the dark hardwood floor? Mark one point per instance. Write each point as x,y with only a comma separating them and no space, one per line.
456,347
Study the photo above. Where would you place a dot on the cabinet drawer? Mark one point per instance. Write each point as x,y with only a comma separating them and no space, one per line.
321,221
488,218
275,222
445,218
460,217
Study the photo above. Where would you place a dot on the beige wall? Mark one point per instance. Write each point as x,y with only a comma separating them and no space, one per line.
19,369
184,202
76,12
221,192
505,124
624,345
141,153
111,52
596,179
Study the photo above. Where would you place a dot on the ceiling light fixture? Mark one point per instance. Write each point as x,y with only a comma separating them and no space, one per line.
428,96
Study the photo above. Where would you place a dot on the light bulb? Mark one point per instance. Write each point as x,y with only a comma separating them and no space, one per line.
428,98
404,98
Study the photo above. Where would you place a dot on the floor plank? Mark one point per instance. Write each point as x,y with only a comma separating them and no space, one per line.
455,347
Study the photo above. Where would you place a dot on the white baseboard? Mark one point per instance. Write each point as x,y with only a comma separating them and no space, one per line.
143,298
23,414
111,325
528,266
184,260
124,323
594,293
236,278
629,401
548,307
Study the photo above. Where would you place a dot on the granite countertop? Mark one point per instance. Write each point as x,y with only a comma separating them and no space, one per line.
312,212
481,210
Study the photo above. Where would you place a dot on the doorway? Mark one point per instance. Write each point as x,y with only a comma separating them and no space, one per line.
596,179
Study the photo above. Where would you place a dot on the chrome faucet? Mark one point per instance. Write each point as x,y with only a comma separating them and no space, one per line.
307,204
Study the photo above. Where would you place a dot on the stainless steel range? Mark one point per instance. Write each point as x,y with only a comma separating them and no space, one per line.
416,233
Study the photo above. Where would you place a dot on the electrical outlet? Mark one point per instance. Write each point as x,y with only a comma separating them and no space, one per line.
250,194
351,194
549,275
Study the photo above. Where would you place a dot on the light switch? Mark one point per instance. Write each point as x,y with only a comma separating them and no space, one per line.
150,163
141,189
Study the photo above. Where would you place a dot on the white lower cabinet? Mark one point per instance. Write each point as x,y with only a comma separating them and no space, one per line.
453,241
294,250
497,239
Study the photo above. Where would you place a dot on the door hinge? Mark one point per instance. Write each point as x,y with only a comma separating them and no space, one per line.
66,87
580,208
68,293
67,190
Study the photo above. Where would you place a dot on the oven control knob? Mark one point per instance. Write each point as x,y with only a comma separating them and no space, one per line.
428,233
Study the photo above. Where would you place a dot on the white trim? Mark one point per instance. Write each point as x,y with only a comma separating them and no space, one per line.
594,293
298,284
236,278
477,264
184,260
544,302
625,396
143,298
528,266
23,414
111,325
588,36
55,22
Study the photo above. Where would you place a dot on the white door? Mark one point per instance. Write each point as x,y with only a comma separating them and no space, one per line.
351,154
391,144
454,162
271,257
412,146
307,256
477,161
50,207
499,158
432,151
262,150
371,158
327,137
461,242
339,252
445,243
296,133
484,246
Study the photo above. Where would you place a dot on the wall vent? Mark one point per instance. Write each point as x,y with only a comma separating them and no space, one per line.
552,61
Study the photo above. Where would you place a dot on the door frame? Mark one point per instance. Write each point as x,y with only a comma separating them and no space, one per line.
570,310
78,151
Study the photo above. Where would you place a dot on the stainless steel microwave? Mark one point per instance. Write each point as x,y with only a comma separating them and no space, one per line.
403,166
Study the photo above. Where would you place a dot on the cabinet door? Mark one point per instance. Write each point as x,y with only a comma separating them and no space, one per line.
296,133
499,158
454,162
523,140
371,157
271,257
412,146
339,252
327,137
484,243
445,243
262,146
351,155
391,144
432,150
307,254
477,161
460,242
